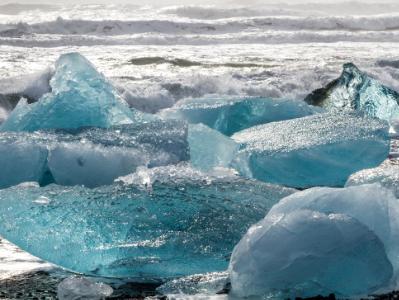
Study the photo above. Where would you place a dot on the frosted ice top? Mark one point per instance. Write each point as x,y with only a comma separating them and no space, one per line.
322,149
386,174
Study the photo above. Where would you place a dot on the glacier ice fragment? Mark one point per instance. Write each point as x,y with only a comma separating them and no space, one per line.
318,150
80,97
355,90
90,156
178,226
372,205
231,115
306,253
80,288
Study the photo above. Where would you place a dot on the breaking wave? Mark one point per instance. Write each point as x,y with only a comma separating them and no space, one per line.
215,13
277,23
266,37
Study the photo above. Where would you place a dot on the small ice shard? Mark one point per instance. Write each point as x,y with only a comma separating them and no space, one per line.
90,156
209,148
229,116
80,97
182,225
145,177
80,288
204,284
305,254
355,90
319,150
386,174
372,205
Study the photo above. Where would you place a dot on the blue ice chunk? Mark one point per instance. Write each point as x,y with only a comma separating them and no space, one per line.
306,254
80,97
372,205
179,223
355,90
319,150
209,148
231,115
90,156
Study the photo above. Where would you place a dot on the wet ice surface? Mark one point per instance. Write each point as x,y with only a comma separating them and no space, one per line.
176,226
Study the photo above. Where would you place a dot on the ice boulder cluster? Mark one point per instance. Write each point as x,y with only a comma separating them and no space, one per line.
101,189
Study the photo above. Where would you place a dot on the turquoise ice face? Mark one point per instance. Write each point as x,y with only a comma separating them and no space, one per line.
231,115
209,148
175,222
319,150
80,97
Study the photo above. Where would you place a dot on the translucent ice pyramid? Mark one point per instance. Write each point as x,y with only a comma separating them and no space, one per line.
80,97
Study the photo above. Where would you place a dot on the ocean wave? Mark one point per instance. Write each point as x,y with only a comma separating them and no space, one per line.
277,23
215,13
266,37
339,8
